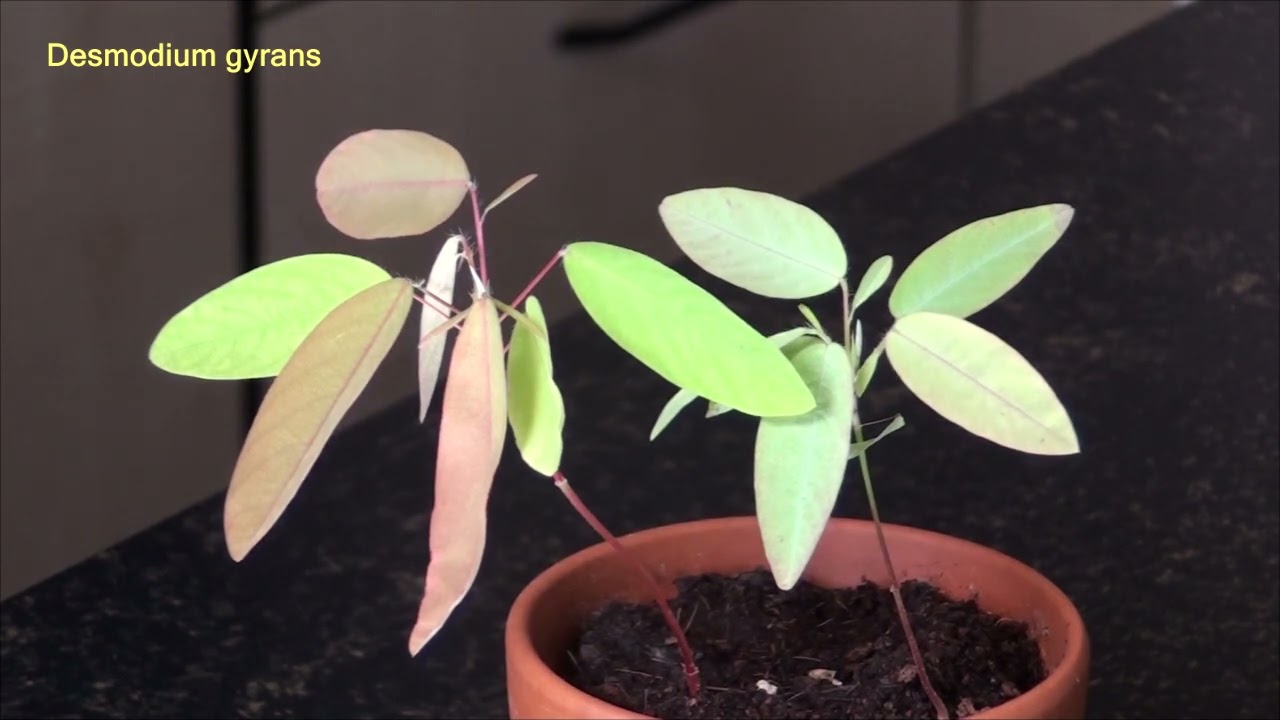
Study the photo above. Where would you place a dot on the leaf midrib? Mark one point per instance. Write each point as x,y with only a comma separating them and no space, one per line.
368,185
315,433
969,270
998,396
753,243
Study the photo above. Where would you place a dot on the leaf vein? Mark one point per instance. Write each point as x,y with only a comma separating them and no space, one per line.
989,390
973,266
742,238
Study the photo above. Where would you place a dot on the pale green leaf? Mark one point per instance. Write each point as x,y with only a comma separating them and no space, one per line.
872,280
473,427
781,341
867,369
678,402
800,462
683,333
757,241
855,353
390,183
249,326
978,382
477,285
972,267
534,404
858,448
515,187
431,344
304,404
813,321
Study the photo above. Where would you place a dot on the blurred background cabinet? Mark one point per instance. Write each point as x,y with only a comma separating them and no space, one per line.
120,187
117,204
1017,42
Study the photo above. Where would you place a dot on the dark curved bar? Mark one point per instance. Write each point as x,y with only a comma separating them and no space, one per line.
591,36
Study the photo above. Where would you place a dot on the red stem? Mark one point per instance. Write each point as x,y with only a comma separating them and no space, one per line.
938,706
428,294
923,672
538,278
479,222
691,674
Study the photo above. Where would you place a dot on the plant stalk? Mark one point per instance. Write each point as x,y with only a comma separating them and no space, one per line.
922,672
848,319
449,310
479,223
939,707
691,674
538,278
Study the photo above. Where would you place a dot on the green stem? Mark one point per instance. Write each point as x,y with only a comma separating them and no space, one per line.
846,315
916,657
921,671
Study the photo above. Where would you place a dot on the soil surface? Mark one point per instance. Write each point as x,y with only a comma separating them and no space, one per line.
806,653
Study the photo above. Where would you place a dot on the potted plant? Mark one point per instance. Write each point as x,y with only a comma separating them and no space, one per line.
321,324
780,658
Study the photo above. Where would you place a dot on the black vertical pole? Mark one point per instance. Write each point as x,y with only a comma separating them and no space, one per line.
247,145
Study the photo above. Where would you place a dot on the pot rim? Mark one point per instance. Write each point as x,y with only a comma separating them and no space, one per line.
520,648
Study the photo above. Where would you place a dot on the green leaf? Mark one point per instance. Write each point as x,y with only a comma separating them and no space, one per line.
858,448
781,341
978,382
678,402
872,280
249,326
855,352
315,389
757,241
390,183
813,322
681,332
440,284
867,369
800,462
473,430
972,267
534,404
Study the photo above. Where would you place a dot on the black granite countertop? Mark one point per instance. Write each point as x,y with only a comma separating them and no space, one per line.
1155,318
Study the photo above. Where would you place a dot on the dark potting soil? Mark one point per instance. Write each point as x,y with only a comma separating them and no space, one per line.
809,652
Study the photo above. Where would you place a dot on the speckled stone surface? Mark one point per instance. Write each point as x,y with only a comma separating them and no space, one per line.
1155,318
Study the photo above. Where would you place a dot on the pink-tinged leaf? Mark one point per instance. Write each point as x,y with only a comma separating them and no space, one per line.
315,389
390,183
472,432
431,353
515,187
448,325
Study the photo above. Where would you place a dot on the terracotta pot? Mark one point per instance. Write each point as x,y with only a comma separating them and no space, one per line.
542,622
